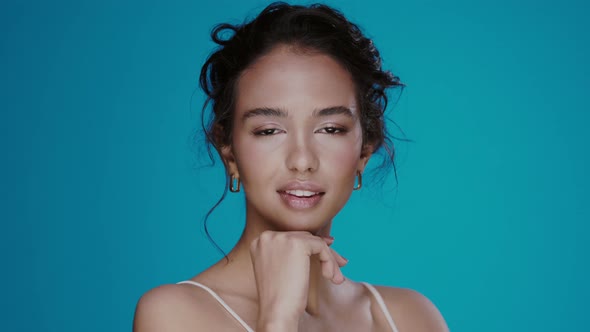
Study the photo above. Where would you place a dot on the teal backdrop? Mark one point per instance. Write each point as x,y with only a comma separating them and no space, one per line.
103,193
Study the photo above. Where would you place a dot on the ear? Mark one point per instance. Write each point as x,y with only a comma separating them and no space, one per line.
229,161
225,150
366,153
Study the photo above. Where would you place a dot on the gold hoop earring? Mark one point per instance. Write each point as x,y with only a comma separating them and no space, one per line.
233,189
359,182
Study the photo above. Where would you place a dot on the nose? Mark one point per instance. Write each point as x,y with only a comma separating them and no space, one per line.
302,157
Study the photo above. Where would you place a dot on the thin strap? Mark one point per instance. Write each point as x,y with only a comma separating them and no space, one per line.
382,305
221,301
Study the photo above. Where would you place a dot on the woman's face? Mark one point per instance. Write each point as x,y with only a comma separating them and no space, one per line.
297,139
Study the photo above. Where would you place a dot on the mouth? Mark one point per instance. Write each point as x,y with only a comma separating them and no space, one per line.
300,199
301,193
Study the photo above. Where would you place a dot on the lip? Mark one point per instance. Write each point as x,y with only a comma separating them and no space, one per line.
299,185
301,202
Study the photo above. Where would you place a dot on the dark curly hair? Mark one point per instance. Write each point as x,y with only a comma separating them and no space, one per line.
316,28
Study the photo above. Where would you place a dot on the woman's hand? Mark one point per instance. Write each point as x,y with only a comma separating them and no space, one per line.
281,263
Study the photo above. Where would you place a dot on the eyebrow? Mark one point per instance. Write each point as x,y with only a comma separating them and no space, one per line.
281,113
334,110
264,111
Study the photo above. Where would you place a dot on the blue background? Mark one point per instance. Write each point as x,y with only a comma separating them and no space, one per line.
103,197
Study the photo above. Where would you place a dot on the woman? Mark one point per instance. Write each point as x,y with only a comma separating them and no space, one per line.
298,96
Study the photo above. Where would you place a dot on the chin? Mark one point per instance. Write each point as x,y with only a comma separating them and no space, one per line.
285,219
300,223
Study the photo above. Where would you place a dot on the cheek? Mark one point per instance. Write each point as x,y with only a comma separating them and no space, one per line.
341,163
339,154
256,159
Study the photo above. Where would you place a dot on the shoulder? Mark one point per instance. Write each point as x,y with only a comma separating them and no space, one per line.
411,310
175,308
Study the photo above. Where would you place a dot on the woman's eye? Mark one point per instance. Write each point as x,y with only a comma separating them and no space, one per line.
333,130
266,132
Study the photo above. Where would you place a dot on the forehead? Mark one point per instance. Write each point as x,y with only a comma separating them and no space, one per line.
295,81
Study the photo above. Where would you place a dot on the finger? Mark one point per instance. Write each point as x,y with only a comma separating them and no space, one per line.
328,263
318,246
339,259
328,269
328,240
330,266
339,278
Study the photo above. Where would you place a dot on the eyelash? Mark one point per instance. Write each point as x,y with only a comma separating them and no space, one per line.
334,130
327,130
266,132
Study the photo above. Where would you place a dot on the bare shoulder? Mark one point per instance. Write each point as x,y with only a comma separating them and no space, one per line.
175,308
412,311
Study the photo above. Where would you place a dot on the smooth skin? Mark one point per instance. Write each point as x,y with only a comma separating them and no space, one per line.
296,123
